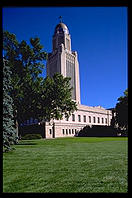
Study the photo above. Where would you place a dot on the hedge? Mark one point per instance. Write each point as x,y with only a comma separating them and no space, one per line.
31,136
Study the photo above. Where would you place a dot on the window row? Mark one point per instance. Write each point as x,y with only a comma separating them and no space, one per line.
95,119
68,131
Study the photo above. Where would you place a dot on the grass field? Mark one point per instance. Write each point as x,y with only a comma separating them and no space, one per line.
67,165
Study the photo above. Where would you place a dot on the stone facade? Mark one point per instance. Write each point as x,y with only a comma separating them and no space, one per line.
65,61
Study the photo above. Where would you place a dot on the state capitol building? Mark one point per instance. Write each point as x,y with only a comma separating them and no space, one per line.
65,61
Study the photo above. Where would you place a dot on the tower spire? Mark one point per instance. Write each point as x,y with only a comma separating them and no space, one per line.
60,17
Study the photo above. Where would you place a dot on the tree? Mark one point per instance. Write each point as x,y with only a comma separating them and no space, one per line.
55,100
9,132
122,111
26,64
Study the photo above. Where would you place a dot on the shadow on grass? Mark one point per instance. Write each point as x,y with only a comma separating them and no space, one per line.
27,143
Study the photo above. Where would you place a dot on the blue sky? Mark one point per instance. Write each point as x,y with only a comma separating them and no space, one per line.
98,34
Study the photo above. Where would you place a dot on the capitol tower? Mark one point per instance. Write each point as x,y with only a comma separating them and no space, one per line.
63,60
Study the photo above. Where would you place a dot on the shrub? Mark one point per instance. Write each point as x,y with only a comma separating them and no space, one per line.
124,133
31,136
98,131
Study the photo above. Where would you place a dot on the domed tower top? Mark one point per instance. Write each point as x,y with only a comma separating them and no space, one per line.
61,28
61,36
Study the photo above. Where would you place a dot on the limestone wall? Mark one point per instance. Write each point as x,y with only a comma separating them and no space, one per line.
88,116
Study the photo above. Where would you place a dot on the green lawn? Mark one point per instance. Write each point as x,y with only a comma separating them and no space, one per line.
67,165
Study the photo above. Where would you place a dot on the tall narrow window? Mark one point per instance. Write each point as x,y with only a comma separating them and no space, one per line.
73,117
84,118
66,131
105,120
79,118
70,72
69,131
94,120
102,120
63,131
98,120
50,131
89,119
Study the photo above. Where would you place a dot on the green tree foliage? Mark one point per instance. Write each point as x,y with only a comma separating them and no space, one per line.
122,111
9,132
56,98
32,95
26,64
